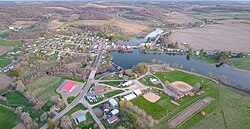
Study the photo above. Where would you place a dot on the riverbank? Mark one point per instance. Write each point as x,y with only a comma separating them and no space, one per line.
233,77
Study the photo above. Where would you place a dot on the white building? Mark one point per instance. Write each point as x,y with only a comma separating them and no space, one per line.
130,96
153,80
128,83
113,102
137,92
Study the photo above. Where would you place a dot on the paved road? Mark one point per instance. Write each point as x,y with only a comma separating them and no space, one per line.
82,94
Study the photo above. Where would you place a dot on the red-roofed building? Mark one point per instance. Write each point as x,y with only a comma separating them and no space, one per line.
112,119
68,86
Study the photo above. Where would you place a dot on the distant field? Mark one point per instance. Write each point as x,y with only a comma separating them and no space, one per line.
10,43
23,24
230,36
43,88
56,24
58,8
8,119
239,63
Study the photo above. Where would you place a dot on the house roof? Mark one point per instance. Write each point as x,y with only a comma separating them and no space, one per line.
130,96
81,118
112,119
112,102
138,92
68,85
115,111
99,87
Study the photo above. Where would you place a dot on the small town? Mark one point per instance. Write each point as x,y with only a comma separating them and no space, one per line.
124,65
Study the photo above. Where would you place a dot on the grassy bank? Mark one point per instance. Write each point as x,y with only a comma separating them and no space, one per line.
239,63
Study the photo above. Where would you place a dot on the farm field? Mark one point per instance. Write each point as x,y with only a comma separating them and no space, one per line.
8,119
229,36
44,87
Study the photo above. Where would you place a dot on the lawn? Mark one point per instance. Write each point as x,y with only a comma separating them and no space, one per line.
69,46
157,109
113,93
181,76
4,62
76,79
10,43
239,63
146,82
71,99
8,119
43,88
229,109
79,106
152,51
114,83
206,58
89,122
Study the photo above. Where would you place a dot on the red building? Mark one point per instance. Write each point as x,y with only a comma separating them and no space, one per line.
68,86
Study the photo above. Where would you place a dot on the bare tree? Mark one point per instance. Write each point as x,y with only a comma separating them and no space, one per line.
66,122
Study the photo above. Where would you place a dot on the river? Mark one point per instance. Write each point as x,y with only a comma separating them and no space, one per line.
236,78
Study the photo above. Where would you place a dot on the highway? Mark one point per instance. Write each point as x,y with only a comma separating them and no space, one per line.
80,98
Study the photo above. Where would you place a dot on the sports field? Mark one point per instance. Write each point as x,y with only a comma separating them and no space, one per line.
8,119
43,88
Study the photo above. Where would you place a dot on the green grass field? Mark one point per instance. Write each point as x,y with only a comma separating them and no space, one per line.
181,76
239,63
16,99
89,122
43,88
79,106
163,109
10,43
113,93
8,119
206,59
114,83
146,82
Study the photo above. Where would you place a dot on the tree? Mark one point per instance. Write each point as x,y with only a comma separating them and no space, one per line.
66,122
50,123
176,46
17,73
222,56
240,55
